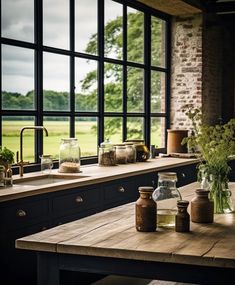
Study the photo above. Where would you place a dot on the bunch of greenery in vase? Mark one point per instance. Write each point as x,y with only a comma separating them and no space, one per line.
6,156
215,146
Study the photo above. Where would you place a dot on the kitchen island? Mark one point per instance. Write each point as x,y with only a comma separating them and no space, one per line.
108,243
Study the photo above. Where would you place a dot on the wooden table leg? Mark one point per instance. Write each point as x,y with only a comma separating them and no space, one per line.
47,269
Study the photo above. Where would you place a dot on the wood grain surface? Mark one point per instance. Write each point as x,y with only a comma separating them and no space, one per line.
112,233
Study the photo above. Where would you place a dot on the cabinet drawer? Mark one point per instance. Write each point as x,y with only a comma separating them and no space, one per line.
122,190
79,200
24,214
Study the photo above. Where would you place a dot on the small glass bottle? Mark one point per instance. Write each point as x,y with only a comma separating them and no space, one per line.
202,209
121,154
46,163
145,210
166,196
69,158
8,176
107,154
2,176
182,218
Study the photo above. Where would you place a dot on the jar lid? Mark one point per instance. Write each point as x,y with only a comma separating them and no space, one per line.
69,139
145,189
167,175
106,144
183,203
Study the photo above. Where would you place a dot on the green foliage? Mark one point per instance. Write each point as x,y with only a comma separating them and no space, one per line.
215,144
6,155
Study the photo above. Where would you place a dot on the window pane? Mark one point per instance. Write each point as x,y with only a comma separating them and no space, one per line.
158,132
158,52
135,128
135,89
113,87
55,82
113,32
86,84
135,35
18,20
113,129
86,130
11,127
158,92
86,26
58,128
56,23
17,78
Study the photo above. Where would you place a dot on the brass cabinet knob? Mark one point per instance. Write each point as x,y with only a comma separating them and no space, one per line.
21,213
79,199
121,189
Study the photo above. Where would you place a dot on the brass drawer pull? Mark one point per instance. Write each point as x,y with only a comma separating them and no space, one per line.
79,199
21,213
121,189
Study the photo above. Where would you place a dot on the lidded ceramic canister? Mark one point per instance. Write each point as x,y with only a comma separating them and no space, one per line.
202,209
145,210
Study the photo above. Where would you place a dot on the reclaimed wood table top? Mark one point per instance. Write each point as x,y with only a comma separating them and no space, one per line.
112,233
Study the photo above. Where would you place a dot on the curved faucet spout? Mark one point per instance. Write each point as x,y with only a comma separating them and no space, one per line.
21,162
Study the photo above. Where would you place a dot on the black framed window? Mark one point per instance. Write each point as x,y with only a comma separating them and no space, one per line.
91,69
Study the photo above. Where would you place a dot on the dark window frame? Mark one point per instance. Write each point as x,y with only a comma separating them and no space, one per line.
38,48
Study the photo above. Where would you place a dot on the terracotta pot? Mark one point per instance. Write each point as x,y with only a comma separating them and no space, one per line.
174,139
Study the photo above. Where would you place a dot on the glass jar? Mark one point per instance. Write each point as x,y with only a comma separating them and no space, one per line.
145,210
121,154
46,163
69,158
107,154
166,196
142,152
130,152
2,176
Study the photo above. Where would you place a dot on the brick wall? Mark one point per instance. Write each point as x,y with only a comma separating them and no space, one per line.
186,68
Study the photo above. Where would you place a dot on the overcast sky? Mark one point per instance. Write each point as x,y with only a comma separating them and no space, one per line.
18,23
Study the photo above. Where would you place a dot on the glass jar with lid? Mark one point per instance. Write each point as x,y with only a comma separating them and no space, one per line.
121,154
130,152
142,151
166,196
107,154
69,158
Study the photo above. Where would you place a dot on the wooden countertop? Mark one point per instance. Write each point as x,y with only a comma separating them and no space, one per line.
91,174
112,233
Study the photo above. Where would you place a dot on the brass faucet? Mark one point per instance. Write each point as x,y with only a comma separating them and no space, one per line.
21,163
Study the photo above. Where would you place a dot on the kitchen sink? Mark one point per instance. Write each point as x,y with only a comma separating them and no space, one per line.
44,179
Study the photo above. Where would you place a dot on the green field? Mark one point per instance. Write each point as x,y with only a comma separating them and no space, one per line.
87,138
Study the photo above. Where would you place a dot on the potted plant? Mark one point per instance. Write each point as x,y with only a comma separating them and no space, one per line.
6,157
215,146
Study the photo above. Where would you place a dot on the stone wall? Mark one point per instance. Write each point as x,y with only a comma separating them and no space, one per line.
186,68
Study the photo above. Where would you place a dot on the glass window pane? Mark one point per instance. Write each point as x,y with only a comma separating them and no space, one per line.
11,127
158,92
135,35
86,130
17,78
113,87
18,20
158,45
86,82
58,128
113,129
55,82
158,132
113,32
135,89
56,23
86,26
135,128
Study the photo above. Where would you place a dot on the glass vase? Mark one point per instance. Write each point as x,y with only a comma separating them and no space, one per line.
221,195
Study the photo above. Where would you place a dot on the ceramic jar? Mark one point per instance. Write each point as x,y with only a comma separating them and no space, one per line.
145,210
202,209
182,218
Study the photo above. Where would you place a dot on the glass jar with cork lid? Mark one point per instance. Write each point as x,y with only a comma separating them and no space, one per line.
69,158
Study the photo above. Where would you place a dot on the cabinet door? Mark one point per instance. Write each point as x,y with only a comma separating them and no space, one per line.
76,201
23,213
185,174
